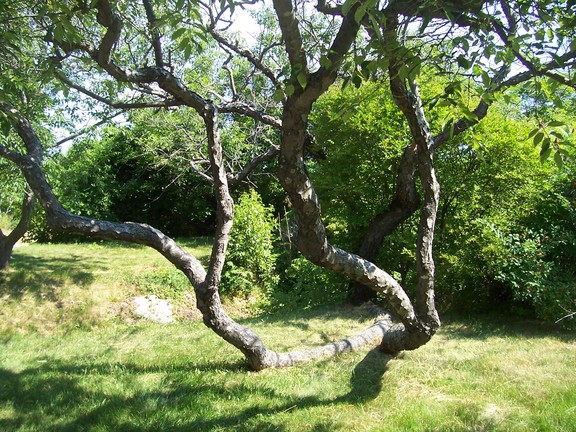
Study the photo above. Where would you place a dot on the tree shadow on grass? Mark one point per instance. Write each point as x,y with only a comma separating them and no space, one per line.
57,396
42,276
482,327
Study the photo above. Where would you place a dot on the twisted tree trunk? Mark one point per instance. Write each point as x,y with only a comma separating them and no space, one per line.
417,325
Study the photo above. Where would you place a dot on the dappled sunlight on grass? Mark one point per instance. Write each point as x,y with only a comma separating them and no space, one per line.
68,362
182,377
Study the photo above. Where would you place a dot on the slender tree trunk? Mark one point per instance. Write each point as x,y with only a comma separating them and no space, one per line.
5,253
7,242
404,205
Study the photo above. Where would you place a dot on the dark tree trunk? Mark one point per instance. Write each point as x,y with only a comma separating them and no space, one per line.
5,253
7,242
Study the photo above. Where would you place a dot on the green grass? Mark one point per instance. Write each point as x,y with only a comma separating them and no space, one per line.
85,284
477,374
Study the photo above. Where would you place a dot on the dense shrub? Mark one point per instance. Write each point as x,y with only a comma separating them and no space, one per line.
250,263
304,285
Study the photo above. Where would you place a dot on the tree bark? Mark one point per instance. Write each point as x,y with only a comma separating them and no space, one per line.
405,203
7,242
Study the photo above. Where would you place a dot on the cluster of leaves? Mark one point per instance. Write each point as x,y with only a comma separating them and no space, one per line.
362,149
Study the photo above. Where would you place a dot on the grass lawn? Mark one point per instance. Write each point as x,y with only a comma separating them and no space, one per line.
61,371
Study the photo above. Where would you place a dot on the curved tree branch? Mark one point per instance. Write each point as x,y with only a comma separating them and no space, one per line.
292,36
410,103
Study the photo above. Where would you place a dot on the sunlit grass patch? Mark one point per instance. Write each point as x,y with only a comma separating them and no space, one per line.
183,377
67,362
51,287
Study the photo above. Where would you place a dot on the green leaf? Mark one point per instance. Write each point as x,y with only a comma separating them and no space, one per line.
486,80
558,159
177,33
463,62
290,89
533,132
348,5
376,26
446,102
278,95
42,12
187,49
556,124
403,72
538,138
546,144
58,33
470,116
301,78
325,62
359,14
544,154
425,21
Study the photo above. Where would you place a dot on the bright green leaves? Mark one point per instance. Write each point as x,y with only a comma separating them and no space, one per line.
456,96
297,80
65,21
289,89
189,35
189,41
347,6
554,136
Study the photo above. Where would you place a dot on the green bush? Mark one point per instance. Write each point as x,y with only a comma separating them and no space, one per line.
250,261
305,285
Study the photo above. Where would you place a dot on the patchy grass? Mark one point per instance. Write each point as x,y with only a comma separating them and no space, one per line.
475,376
479,374
52,287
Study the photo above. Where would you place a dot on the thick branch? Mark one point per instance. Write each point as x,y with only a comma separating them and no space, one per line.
107,18
410,103
168,102
225,205
156,38
292,36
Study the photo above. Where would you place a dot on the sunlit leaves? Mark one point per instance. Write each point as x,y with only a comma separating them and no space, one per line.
553,137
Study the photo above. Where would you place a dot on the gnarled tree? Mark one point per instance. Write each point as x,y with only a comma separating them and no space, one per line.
134,55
